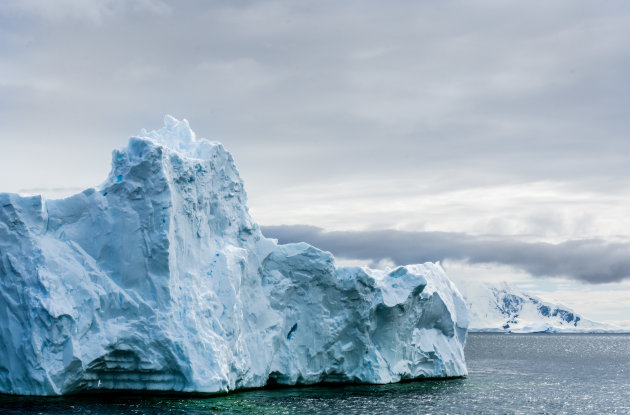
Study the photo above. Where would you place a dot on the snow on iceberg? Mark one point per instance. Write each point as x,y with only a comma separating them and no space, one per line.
159,280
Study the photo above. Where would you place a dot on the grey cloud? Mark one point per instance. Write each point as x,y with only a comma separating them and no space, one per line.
592,261
80,10
464,93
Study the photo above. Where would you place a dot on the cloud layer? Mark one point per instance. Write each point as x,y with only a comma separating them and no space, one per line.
404,102
457,93
592,261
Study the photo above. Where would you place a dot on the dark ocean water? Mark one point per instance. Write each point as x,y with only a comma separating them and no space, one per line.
534,373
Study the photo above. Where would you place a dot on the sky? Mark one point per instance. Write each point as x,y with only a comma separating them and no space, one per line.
491,136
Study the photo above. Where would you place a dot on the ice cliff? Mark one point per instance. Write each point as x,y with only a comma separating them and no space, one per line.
159,280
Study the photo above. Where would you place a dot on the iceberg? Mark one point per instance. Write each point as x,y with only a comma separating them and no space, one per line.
159,280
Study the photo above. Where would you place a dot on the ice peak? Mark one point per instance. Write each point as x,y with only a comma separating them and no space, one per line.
178,136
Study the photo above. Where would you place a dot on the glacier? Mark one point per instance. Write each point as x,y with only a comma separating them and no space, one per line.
159,280
502,307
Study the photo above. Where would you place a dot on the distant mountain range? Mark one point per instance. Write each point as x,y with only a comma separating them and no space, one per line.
504,308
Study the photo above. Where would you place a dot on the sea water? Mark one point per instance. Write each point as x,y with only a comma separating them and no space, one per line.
508,373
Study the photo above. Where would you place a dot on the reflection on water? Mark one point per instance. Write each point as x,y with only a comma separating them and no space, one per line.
546,373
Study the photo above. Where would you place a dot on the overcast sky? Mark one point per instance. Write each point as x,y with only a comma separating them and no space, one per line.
502,121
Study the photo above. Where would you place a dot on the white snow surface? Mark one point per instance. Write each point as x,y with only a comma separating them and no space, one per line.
504,308
160,280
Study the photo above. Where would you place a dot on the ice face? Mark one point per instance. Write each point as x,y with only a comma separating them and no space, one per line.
160,280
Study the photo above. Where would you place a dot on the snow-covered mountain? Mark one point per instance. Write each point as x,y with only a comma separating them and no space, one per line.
505,308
